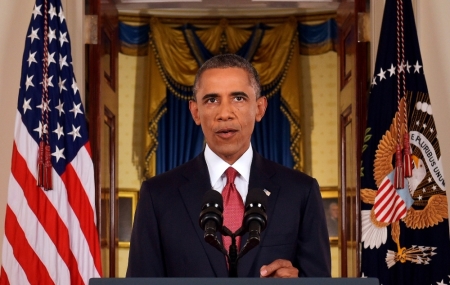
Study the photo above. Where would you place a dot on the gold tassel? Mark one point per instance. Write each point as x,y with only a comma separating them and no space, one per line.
40,178
399,182
48,169
407,161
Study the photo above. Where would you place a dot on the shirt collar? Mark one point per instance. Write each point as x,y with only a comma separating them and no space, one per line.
217,166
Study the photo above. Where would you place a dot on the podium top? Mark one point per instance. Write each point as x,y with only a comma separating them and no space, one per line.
234,281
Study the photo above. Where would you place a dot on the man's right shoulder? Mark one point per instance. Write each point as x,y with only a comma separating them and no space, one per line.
167,179
174,178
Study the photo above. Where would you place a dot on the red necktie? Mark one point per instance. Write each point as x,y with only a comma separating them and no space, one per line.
233,212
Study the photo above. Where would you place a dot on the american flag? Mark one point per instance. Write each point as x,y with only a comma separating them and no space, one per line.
50,231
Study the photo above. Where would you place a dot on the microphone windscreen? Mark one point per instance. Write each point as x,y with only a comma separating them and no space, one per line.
256,196
212,198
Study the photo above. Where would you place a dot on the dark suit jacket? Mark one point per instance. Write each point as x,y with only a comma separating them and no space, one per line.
167,240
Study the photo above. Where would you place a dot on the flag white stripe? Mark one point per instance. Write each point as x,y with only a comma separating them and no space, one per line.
383,201
28,148
386,214
386,203
379,200
400,213
389,210
36,235
52,232
26,145
78,243
84,171
385,217
390,214
12,268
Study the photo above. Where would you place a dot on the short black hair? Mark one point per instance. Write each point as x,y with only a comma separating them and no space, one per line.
229,61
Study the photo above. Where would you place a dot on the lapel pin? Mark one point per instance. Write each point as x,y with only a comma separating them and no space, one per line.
267,192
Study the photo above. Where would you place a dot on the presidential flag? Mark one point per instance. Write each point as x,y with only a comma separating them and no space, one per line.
405,230
50,225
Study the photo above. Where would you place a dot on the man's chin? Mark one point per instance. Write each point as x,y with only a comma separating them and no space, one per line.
229,153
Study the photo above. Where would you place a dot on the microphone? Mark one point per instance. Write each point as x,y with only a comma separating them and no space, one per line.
255,218
211,218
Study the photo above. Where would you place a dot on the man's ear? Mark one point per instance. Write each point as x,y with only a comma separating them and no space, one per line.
193,107
261,106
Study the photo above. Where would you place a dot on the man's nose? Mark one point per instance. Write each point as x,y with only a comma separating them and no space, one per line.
225,111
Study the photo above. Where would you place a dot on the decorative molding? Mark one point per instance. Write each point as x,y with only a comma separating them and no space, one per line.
180,17
363,27
91,29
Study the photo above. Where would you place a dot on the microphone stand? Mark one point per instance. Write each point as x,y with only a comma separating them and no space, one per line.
254,222
233,256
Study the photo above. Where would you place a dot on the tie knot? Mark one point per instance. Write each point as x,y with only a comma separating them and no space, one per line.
231,174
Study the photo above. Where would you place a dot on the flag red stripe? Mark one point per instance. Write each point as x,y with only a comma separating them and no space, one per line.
46,213
88,148
3,277
392,211
382,193
392,207
33,267
81,206
12,268
389,206
61,241
400,208
82,165
383,201
386,217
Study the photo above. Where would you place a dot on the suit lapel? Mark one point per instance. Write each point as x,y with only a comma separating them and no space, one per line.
259,178
192,194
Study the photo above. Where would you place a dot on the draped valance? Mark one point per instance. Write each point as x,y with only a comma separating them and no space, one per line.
313,38
178,50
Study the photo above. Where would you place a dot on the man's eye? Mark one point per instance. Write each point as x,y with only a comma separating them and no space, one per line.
211,100
239,98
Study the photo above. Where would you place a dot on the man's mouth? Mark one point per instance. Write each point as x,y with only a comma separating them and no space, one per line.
226,133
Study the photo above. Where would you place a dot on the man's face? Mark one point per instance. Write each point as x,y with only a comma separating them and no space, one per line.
334,210
227,109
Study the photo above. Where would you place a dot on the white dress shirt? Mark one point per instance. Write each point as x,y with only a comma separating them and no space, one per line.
217,167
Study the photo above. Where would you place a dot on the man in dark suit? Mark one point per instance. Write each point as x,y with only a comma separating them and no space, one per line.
167,239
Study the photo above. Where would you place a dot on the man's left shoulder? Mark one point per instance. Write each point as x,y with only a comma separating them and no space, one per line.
283,173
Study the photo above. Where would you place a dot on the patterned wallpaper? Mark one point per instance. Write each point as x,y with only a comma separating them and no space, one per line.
132,74
320,118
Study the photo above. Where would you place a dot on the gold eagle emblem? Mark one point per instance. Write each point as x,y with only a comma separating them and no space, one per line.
429,205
